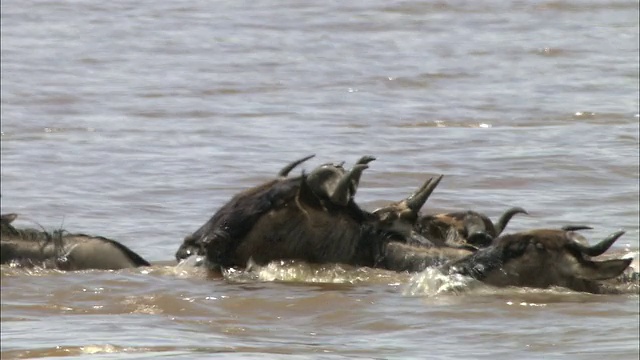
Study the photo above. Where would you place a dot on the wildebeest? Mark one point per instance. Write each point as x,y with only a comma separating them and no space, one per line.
328,182
463,228
62,250
540,259
415,257
241,209
401,216
295,219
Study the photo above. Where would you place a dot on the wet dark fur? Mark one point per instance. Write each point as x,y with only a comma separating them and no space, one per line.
416,257
452,229
31,247
539,259
284,219
238,216
221,235
297,225
315,221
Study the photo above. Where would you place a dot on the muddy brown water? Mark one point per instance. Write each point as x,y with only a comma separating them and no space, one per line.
137,120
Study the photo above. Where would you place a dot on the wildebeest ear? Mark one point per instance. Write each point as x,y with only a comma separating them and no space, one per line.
9,217
601,270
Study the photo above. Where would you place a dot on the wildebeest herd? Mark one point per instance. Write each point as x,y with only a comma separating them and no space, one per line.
314,218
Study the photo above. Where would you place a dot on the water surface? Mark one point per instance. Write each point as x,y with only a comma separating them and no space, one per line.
137,120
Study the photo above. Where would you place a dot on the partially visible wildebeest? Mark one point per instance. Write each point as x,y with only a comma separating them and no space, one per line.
541,259
241,209
325,180
294,219
415,257
401,216
463,228
62,250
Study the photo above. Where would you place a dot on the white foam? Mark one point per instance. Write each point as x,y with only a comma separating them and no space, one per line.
432,282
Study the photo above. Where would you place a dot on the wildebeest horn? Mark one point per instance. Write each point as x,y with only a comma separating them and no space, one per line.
504,219
342,192
9,217
285,170
576,227
418,198
602,270
601,247
366,159
356,179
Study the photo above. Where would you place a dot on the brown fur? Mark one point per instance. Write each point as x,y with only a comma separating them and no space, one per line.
411,258
240,213
286,219
463,227
295,224
539,259
62,250
221,233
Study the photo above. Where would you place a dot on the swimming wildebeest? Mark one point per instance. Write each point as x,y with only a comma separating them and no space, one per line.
241,208
315,221
458,229
62,250
540,259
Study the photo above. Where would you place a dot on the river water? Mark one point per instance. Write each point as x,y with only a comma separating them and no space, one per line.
136,120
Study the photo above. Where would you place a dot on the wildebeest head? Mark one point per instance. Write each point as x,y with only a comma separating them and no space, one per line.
401,216
328,181
285,219
247,205
9,232
11,238
540,259
464,228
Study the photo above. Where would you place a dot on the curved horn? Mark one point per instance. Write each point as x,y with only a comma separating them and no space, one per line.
601,247
342,192
602,270
9,218
365,159
356,178
418,198
504,219
285,170
576,227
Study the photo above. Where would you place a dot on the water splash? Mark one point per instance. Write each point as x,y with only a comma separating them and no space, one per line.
632,273
432,282
296,271
301,272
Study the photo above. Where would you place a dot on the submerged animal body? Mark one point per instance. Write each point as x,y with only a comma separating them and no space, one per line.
540,259
463,228
412,257
237,216
62,250
294,219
